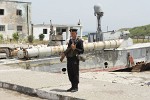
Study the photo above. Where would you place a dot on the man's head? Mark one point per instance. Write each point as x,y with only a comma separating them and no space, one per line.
73,33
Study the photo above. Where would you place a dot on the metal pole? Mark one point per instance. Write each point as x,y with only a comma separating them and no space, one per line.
99,35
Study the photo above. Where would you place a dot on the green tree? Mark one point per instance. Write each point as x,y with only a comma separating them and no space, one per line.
30,38
140,31
41,37
15,36
1,37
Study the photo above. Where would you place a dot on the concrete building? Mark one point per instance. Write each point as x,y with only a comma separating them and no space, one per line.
60,32
15,16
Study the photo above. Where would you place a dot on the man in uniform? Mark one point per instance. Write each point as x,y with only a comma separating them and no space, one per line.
75,48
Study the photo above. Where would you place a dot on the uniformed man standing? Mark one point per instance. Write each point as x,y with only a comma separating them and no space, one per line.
75,48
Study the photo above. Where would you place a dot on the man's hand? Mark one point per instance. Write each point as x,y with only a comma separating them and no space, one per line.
73,46
62,57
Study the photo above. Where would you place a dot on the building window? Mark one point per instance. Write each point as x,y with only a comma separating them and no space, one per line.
63,30
19,12
19,28
1,11
44,31
57,29
2,27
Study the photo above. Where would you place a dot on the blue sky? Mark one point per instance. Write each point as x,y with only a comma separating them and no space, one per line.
117,13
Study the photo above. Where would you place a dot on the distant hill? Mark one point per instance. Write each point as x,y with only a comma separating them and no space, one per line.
139,31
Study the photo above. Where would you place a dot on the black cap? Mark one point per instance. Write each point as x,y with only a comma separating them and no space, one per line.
73,30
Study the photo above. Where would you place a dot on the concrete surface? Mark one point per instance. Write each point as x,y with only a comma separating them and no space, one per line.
93,85
132,78
13,95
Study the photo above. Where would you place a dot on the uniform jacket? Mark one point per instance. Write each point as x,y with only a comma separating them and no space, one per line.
79,48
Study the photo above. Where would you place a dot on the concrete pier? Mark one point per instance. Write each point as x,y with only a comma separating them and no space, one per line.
93,85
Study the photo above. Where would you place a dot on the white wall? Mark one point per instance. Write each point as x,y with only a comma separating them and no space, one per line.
37,31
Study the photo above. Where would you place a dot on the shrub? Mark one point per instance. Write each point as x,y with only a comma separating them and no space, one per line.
15,36
41,37
30,38
1,37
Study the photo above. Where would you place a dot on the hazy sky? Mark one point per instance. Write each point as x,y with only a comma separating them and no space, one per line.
117,13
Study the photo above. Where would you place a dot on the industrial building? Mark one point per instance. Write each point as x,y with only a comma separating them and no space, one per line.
55,32
15,16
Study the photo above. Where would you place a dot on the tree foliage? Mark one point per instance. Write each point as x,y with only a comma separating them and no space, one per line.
138,31
41,37
30,38
15,36
1,37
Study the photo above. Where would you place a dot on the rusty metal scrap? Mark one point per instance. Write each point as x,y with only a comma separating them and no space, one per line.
141,66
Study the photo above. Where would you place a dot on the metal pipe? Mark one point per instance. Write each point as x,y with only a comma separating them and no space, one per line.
56,50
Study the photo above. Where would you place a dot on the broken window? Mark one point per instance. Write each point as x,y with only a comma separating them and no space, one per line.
2,27
19,28
1,11
19,12
44,31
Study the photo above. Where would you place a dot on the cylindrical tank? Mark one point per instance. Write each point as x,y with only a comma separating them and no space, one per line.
56,50
34,52
45,52
88,47
21,54
99,45
107,44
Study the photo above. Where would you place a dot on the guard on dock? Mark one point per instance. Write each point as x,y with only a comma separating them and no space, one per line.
75,48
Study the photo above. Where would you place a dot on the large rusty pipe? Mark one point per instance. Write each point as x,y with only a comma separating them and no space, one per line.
56,50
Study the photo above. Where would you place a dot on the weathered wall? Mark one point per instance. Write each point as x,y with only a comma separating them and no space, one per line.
11,20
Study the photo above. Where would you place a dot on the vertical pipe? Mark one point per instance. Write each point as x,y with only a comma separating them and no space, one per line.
27,18
32,29
81,33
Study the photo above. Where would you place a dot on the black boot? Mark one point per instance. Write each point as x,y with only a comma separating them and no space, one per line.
75,88
69,90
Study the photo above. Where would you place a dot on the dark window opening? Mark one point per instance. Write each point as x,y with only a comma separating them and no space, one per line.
2,27
19,12
19,28
44,31
1,11
63,30
58,29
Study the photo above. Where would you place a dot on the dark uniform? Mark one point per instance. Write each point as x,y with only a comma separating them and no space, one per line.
73,61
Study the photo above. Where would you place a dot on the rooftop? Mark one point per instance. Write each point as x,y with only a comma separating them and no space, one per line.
15,1
57,25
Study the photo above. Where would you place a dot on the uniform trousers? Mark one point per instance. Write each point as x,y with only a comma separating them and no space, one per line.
73,70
